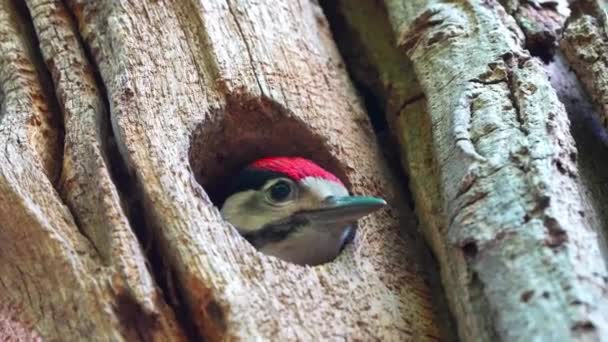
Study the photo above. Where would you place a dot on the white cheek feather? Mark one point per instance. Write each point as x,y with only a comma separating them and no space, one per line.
237,210
232,211
323,188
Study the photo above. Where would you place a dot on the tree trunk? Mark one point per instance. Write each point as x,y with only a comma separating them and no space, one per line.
585,44
493,164
121,122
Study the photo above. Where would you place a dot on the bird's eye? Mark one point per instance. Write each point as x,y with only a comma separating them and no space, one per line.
280,191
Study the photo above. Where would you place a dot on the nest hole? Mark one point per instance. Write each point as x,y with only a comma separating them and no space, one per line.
248,129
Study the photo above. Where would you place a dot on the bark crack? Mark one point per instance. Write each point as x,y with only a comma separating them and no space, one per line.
46,86
25,285
247,47
137,319
409,101
512,62
462,116
204,64
48,90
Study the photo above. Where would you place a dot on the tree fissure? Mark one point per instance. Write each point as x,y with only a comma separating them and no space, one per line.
85,191
47,87
511,63
132,202
245,41
128,191
157,263
49,150
25,285
410,101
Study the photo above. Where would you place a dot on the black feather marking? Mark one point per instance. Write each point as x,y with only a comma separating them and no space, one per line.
252,179
248,179
276,231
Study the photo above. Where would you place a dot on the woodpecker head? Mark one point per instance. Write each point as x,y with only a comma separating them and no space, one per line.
293,209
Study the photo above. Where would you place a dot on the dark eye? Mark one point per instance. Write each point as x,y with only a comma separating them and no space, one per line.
280,191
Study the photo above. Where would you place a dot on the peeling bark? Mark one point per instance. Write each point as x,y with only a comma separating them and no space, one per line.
493,167
121,122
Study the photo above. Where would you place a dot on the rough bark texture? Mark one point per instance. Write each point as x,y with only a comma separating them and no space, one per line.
13,329
591,141
74,266
118,120
121,122
585,45
492,164
541,21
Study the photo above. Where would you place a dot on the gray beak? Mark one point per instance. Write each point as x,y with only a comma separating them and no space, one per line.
346,209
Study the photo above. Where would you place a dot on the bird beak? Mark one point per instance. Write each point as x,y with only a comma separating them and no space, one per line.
346,209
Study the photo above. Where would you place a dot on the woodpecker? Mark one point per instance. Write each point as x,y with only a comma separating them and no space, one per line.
291,208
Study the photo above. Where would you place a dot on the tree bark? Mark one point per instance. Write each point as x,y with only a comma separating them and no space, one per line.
585,45
119,124
492,163
69,259
541,22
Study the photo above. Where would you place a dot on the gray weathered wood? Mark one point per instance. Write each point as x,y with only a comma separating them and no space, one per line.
66,286
191,90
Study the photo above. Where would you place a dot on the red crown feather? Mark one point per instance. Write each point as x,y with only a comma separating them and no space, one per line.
295,168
